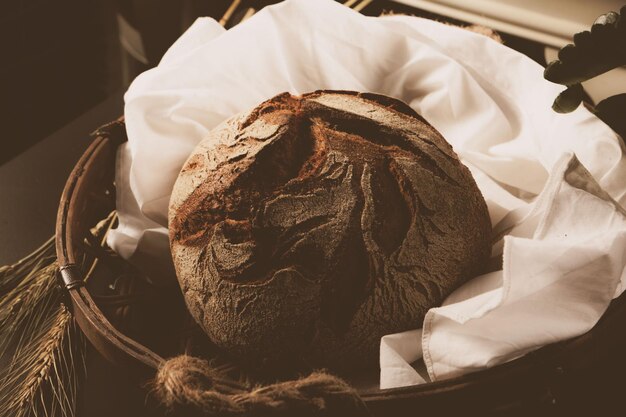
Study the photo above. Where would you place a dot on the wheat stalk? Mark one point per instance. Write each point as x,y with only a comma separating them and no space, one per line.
43,362
41,347
12,275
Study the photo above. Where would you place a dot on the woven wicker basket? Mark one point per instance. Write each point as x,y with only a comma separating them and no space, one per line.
547,380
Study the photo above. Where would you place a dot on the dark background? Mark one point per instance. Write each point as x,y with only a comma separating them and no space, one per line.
62,57
59,59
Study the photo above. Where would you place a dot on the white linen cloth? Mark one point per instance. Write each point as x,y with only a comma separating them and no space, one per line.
565,244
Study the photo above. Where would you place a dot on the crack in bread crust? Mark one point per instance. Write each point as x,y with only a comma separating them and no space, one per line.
328,220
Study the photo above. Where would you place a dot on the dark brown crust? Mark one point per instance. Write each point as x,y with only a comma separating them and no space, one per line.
347,223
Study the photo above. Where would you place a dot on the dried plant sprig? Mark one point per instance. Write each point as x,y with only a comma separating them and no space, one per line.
41,347
362,5
12,275
229,12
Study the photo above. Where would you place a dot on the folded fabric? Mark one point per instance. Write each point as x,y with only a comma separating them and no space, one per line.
559,276
556,217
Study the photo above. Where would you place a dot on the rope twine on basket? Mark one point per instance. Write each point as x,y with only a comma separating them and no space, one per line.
188,386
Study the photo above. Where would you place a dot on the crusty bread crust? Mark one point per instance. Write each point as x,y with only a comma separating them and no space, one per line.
308,228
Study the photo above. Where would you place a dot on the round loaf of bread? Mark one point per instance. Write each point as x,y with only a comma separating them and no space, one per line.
306,229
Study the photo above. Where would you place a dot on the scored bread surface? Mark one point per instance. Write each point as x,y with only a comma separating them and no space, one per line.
306,229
